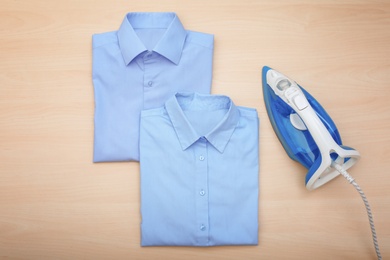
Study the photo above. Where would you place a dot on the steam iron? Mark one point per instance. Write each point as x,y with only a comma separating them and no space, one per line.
309,135
305,130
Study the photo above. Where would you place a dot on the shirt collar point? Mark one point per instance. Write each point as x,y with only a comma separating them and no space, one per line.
175,60
219,146
172,44
129,43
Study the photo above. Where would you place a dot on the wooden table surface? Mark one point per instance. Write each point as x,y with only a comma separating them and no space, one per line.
56,204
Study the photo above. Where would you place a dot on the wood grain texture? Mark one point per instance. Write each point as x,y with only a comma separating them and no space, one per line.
56,204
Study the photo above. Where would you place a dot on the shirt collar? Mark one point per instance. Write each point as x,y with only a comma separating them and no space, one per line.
222,132
170,45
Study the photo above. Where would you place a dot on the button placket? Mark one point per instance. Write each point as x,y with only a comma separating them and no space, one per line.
148,75
150,78
202,209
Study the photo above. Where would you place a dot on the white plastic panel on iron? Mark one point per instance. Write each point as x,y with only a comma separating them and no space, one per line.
300,102
291,92
297,122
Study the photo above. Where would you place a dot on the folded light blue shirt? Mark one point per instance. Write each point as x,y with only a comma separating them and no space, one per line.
199,165
138,67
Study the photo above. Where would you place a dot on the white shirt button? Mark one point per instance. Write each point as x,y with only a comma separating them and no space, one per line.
202,227
202,192
150,83
201,157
